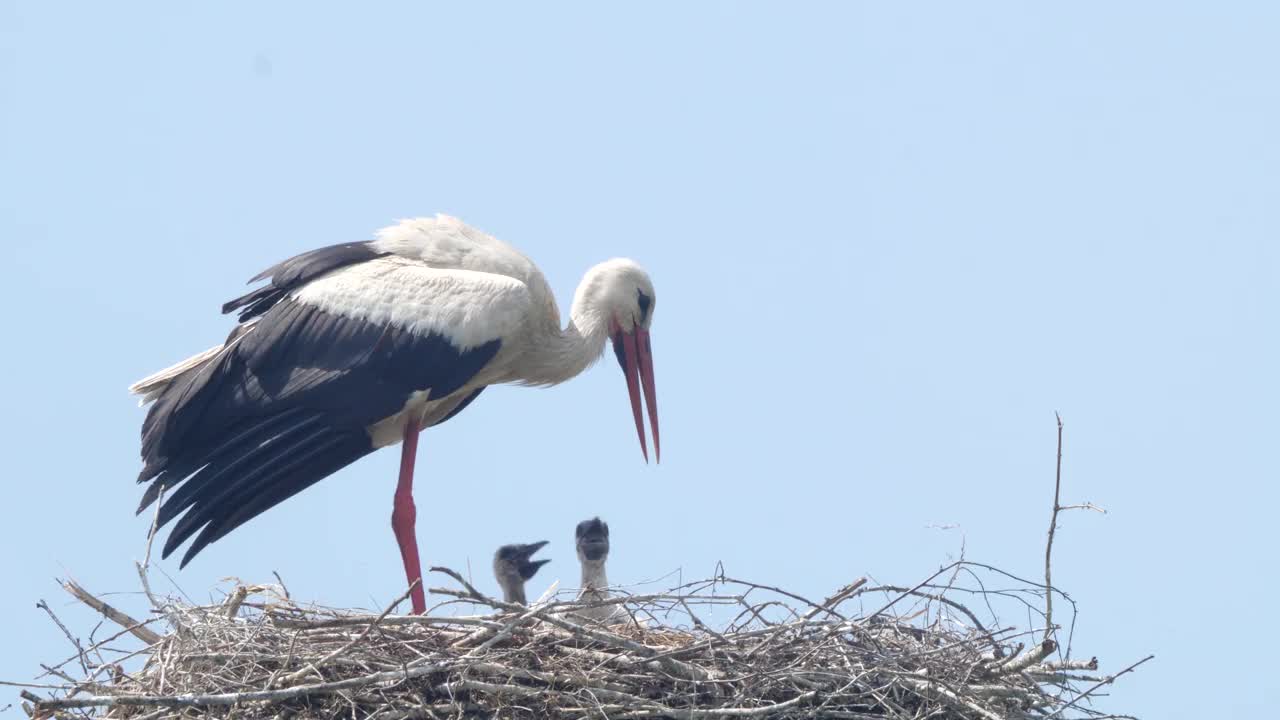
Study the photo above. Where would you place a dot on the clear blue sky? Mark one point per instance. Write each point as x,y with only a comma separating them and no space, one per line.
888,243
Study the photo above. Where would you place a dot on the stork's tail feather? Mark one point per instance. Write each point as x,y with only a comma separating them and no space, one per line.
154,385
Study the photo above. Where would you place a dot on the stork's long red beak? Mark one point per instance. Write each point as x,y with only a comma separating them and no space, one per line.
635,355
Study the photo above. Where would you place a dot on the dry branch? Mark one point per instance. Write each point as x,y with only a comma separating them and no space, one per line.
138,629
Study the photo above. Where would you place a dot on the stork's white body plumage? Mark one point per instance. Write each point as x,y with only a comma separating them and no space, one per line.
358,346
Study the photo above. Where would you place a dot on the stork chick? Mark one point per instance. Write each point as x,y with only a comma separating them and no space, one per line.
593,550
513,567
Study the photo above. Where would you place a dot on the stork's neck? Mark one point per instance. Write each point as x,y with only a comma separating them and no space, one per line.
514,594
556,355
593,575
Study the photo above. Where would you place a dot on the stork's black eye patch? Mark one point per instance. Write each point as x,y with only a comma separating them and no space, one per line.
645,303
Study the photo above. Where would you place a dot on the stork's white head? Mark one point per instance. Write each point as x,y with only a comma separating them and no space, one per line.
618,294
619,291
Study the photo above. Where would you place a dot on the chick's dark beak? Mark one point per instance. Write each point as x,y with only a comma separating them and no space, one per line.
529,569
524,564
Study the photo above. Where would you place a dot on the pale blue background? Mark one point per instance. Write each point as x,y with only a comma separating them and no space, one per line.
888,243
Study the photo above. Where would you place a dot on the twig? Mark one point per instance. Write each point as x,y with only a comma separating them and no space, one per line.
315,667
1061,665
7,683
155,525
1084,506
291,693
1026,660
471,591
234,601
145,565
672,665
840,596
1048,547
493,637
95,647
284,589
136,627
84,665
937,597
722,711
907,593
1103,682
951,695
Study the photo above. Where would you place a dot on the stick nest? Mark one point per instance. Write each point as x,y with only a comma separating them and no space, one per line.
720,648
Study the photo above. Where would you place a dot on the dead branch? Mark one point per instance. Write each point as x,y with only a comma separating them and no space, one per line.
1097,686
137,628
1048,546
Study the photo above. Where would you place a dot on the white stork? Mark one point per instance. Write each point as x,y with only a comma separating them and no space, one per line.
357,346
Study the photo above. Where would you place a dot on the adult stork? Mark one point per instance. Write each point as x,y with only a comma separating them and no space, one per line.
353,347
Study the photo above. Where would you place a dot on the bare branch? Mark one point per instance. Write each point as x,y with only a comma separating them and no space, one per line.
1097,686
139,629
1048,546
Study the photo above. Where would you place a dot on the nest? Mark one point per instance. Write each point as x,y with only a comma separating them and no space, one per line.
719,648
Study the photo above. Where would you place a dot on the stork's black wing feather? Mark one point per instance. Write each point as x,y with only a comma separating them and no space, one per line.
284,406
297,271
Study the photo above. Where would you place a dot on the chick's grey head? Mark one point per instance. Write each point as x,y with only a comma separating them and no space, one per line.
593,540
514,561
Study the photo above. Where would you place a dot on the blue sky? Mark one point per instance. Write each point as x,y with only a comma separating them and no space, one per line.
888,243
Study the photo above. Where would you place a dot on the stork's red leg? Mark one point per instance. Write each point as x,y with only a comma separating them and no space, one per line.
404,515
